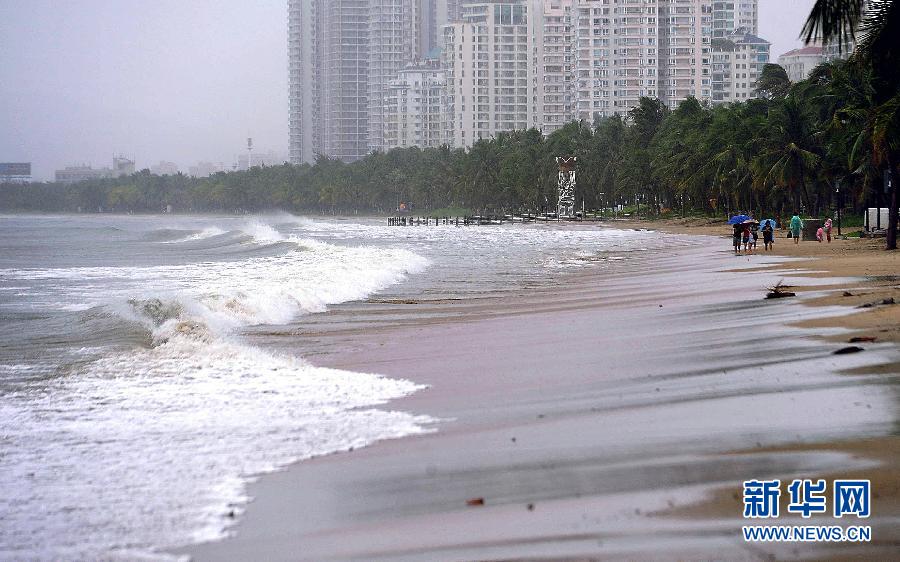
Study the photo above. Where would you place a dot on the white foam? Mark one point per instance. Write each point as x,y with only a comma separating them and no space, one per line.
152,448
261,232
207,232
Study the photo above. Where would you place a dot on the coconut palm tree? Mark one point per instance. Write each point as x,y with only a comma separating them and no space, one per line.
877,23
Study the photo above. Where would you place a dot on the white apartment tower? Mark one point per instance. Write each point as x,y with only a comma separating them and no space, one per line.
627,49
395,28
343,54
328,56
738,61
554,61
488,57
798,63
414,107
730,15
305,80
685,51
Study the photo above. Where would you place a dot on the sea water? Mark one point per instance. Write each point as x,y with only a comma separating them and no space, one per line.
134,409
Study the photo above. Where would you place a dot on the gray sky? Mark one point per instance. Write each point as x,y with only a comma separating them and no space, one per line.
175,80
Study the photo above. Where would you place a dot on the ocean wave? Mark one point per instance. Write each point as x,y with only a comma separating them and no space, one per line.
149,442
167,437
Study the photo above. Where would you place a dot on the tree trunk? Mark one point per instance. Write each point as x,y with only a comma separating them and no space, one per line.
891,238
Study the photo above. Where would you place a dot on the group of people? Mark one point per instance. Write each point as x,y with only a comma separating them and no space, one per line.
747,233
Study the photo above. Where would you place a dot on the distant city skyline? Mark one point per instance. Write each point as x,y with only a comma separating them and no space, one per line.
181,82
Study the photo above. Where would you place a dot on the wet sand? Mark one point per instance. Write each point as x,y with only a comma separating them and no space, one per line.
603,419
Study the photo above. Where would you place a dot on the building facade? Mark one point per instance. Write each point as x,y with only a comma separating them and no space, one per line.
553,89
738,61
798,63
414,107
488,57
730,15
395,29
73,174
506,65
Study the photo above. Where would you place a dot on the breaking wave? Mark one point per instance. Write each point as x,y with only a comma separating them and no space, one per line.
151,447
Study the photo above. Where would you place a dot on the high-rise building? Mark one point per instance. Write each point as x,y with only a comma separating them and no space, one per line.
729,15
554,61
306,80
488,56
328,48
630,49
343,54
738,61
414,107
685,27
394,30
345,72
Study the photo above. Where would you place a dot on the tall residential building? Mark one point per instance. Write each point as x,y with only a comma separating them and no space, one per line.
798,63
345,72
342,56
306,81
395,28
685,50
553,87
414,107
730,15
328,48
628,49
488,57
738,61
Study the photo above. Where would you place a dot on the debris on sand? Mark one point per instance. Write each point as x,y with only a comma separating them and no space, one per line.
847,350
779,291
861,339
475,502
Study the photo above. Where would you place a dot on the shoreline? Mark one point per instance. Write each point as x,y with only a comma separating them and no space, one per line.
521,435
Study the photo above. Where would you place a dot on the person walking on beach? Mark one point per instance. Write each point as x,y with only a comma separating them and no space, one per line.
828,230
768,235
736,238
754,233
796,227
745,238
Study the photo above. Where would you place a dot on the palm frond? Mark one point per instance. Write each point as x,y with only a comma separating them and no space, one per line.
833,21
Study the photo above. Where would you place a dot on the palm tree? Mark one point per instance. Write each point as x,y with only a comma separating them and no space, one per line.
791,158
837,21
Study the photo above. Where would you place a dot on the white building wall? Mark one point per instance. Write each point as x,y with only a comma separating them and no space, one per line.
800,62
413,108
490,72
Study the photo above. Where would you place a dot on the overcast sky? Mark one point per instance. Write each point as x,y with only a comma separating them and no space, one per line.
174,80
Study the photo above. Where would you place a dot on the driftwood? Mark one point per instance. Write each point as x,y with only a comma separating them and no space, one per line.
779,291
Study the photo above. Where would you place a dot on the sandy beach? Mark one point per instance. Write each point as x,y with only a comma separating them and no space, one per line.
613,416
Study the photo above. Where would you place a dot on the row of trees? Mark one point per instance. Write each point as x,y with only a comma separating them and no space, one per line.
791,149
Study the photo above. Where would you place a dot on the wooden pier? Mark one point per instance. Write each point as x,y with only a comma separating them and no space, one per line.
477,220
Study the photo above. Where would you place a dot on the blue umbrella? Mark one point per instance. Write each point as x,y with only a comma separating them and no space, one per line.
770,221
737,219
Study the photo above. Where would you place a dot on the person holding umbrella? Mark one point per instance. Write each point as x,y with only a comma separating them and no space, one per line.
737,225
768,230
796,227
